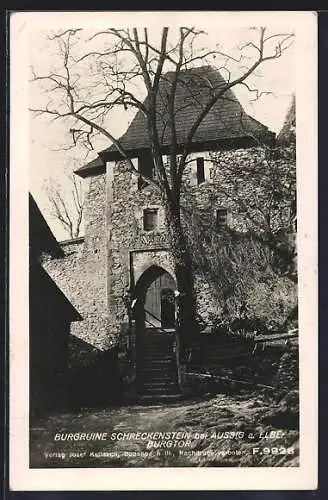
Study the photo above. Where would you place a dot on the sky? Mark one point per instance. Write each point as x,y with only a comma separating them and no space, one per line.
49,160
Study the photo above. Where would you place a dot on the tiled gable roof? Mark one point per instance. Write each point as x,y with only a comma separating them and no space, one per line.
195,87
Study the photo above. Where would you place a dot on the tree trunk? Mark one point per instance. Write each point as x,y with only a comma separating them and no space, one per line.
187,325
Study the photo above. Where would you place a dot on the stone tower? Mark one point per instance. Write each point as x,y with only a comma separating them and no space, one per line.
123,269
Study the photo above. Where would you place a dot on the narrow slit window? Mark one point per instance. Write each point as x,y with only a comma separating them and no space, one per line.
221,218
146,168
200,170
150,219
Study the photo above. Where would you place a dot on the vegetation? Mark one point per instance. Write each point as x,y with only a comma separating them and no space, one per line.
67,207
251,264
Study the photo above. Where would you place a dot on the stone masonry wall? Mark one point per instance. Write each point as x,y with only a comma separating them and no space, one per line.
82,273
128,243
97,274
126,235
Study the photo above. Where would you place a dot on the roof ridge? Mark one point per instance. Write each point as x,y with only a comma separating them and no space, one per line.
221,123
194,68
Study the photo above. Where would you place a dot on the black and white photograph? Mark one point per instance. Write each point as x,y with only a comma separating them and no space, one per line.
165,310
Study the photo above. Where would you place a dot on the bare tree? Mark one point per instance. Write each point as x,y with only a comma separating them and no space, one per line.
67,206
128,61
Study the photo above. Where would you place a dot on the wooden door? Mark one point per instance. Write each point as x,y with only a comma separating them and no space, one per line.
159,302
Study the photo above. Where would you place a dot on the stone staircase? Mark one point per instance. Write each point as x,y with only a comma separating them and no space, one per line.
157,374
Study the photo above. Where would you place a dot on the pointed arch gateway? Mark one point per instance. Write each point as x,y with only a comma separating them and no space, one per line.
155,306
155,316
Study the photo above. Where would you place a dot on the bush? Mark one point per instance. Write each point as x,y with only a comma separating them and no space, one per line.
251,264
245,286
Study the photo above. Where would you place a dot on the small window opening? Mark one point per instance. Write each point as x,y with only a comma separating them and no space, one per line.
150,219
221,218
200,170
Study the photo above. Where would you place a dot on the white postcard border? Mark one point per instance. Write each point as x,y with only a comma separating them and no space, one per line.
303,477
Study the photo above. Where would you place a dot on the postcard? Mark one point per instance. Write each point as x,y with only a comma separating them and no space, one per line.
163,251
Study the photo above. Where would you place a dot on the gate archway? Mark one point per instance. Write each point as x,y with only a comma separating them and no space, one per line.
155,301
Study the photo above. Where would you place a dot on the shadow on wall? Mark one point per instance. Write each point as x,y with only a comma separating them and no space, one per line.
93,376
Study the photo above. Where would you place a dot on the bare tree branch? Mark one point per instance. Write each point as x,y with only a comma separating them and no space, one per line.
119,72
67,206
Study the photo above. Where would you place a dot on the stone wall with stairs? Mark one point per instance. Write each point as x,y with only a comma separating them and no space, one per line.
157,373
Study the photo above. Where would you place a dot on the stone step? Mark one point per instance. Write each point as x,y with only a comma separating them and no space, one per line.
155,336
153,363
155,348
159,364
157,383
155,339
156,359
158,386
161,360
150,370
155,375
148,375
164,378
156,366
161,386
156,329
156,355
147,379
156,333
155,344
158,392
151,381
